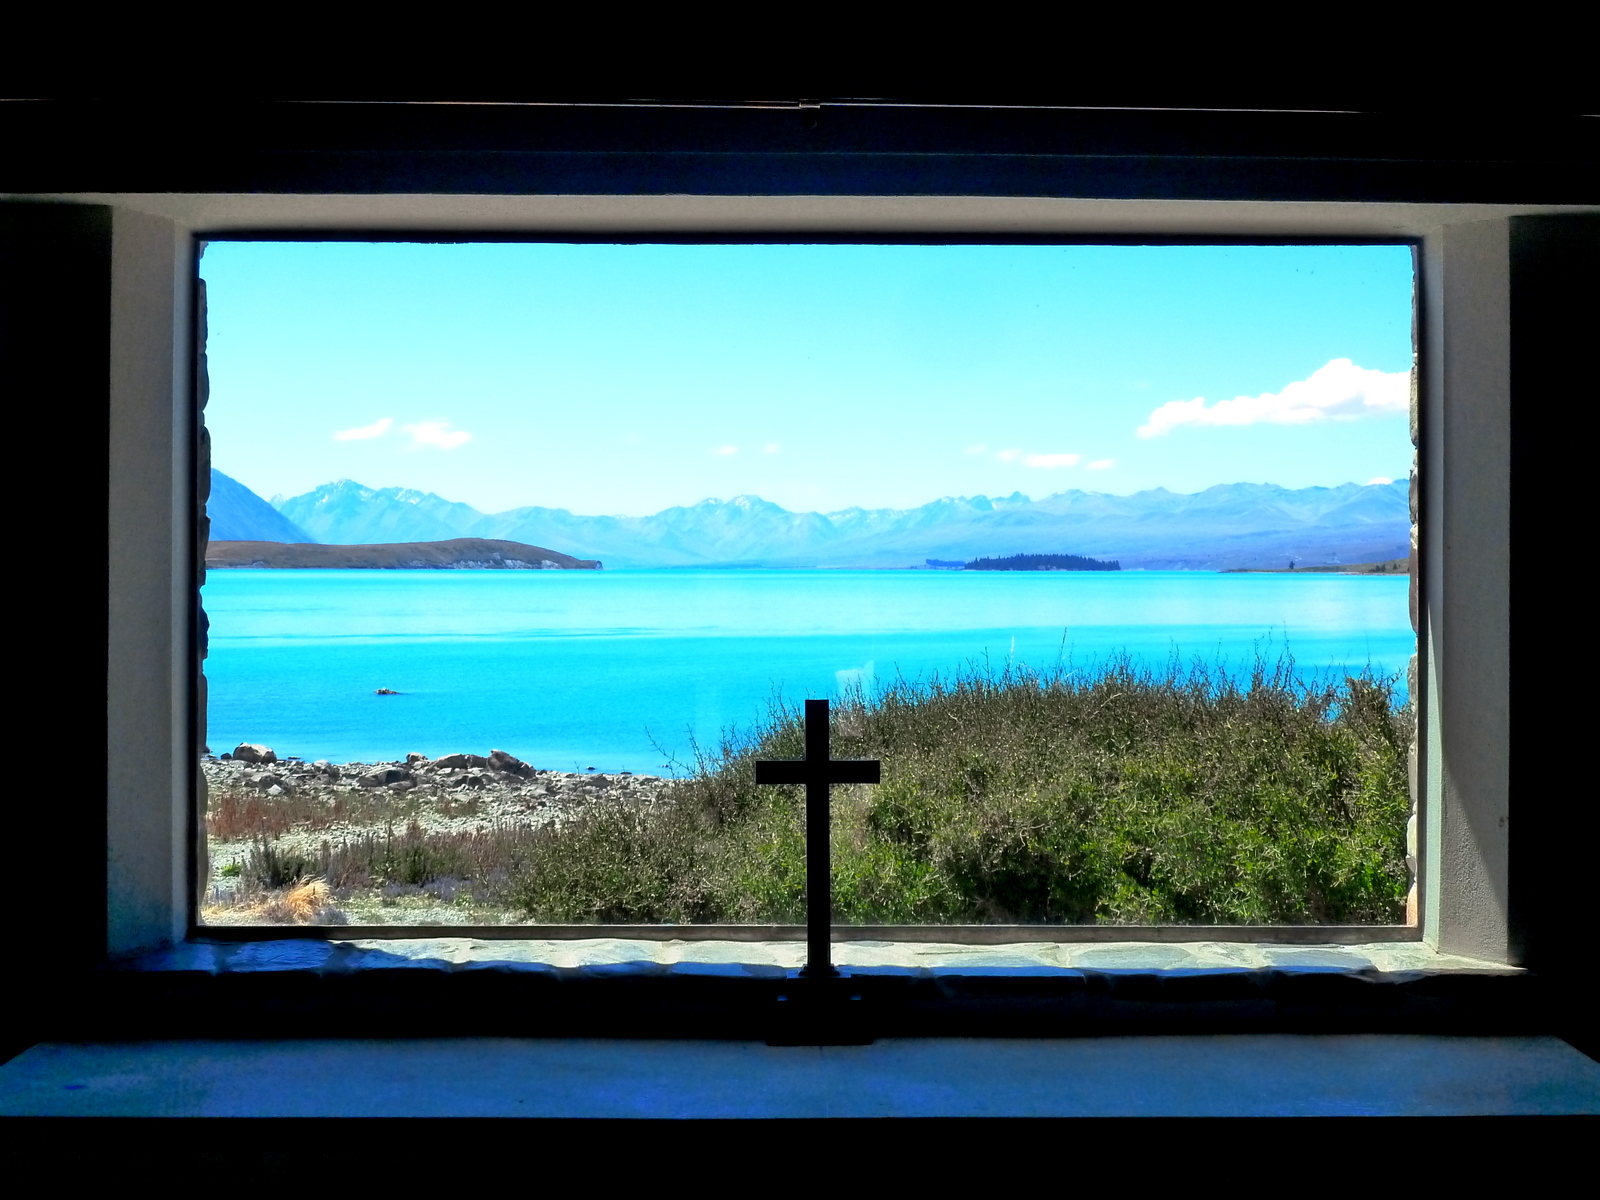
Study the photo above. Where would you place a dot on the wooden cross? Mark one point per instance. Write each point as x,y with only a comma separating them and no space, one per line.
818,772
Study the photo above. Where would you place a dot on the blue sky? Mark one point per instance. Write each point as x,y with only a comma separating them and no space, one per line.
624,379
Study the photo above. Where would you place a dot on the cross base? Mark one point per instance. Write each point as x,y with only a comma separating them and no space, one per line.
814,1010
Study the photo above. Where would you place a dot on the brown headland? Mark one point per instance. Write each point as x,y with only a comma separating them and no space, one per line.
1390,566
458,554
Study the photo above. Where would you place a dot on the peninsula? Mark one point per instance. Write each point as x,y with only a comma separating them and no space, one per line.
1389,566
454,554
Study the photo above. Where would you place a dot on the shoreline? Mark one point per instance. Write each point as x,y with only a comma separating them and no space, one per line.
1390,566
318,805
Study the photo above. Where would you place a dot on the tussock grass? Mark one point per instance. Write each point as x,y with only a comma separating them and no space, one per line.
1126,795
304,902
244,814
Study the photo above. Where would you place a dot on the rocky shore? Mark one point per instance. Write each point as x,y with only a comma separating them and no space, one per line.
496,779
255,798
453,554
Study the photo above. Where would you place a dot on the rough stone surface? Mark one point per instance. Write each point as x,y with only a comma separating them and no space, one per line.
510,764
458,762
248,752
379,776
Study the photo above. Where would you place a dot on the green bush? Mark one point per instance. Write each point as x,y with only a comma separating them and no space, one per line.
1121,796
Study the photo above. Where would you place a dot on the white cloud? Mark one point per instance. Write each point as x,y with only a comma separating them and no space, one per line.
434,433
1008,455
1051,461
1378,479
725,451
363,432
770,448
1339,391
1102,464
978,449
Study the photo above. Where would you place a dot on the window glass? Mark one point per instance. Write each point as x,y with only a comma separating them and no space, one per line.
521,555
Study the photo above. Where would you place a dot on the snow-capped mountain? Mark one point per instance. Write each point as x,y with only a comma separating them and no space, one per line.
1230,525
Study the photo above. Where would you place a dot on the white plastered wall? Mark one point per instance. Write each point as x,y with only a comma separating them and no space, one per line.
148,757
1466,623
1466,580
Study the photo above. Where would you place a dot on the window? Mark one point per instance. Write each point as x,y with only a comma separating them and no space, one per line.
1467,288
149,240
556,384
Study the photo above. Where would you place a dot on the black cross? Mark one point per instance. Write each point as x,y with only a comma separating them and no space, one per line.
817,771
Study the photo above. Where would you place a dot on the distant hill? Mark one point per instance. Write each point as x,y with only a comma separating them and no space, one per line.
239,515
454,554
1228,526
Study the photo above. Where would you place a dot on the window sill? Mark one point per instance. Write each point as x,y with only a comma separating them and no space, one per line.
622,988
606,957
1230,1076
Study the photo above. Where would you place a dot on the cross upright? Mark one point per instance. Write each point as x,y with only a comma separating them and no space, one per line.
818,772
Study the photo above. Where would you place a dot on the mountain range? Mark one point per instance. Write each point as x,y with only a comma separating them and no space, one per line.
1227,526
239,515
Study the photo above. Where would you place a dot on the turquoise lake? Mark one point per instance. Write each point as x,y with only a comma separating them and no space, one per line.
622,670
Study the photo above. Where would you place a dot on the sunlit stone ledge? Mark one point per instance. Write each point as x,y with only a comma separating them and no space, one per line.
775,959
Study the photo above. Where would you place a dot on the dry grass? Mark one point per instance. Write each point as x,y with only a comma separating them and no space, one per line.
243,814
308,902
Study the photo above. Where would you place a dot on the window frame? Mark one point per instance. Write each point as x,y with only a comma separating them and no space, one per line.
153,264
977,935
1454,186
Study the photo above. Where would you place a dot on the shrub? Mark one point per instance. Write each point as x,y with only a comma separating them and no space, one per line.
1123,796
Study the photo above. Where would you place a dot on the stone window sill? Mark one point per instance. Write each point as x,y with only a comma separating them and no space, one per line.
618,988
1226,1077
773,960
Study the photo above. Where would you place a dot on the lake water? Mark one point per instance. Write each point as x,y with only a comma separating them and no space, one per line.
619,670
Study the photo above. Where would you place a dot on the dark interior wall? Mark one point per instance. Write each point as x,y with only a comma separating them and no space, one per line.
54,337
1555,806
831,148
55,311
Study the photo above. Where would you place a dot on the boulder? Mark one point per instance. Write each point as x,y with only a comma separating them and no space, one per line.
509,764
457,761
383,776
263,781
415,760
251,753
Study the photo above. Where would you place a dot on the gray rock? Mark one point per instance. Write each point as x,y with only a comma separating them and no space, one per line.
383,776
510,764
416,760
264,781
252,753
457,761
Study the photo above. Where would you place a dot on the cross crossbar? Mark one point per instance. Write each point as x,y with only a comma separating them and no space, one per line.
818,772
